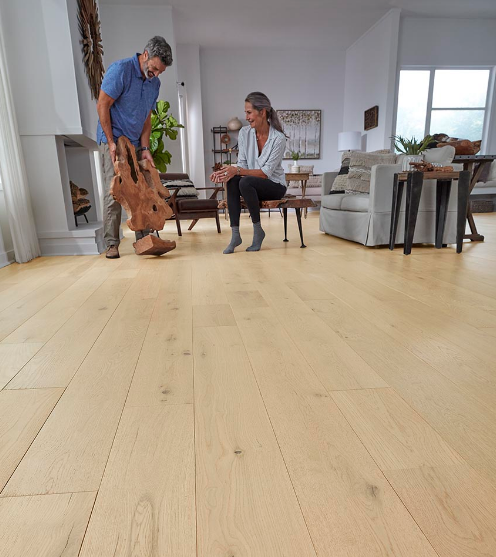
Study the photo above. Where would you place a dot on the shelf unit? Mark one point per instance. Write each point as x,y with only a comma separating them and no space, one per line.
221,153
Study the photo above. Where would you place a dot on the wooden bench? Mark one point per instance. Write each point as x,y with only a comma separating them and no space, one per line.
285,203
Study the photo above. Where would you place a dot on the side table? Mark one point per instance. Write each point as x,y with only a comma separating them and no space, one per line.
415,182
475,164
301,177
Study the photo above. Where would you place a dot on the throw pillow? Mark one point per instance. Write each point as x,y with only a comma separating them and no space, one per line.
341,179
360,168
187,187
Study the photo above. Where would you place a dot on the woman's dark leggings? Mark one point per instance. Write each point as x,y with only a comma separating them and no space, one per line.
253,190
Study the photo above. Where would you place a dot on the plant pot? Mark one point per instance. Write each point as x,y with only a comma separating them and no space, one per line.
407,159
295,169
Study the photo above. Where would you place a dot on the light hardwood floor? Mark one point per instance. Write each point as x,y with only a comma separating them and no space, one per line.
335,401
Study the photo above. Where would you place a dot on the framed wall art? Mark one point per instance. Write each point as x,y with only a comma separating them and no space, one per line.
371,118
303,128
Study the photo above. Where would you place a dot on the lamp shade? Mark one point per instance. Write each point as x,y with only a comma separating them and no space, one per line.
350,141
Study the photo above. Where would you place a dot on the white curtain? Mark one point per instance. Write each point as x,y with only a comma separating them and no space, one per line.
13,172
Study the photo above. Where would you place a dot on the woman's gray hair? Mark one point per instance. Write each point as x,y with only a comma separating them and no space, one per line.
259,101
158,46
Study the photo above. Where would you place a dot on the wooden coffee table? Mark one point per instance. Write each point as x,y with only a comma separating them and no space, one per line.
415,182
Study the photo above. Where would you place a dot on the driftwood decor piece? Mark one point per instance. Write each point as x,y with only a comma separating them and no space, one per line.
91,41
137,187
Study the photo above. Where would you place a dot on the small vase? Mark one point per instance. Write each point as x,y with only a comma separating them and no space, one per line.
234,124
295,169
407,159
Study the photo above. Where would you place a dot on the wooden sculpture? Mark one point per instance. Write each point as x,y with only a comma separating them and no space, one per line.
137,187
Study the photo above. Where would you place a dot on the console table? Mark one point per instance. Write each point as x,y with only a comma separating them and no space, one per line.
415,182
474,164
301,177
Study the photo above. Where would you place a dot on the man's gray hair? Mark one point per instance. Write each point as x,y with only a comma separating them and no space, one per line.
158,46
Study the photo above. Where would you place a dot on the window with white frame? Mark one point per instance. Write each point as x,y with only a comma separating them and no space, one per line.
437,100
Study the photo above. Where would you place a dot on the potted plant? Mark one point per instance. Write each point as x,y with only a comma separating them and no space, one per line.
295,155
412,149
162,123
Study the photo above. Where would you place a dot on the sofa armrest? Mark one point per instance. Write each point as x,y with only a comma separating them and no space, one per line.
381,187
327,181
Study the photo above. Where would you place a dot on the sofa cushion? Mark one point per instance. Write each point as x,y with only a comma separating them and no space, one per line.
360,167
358,203
332,201
197,204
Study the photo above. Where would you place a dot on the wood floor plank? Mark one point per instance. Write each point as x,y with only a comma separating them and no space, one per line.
245,501
46,322
22,415
336,480
210,315
411,330
394,434
14,316
70,452
57,362
44,526
206,282
36,276
14,357
164,373
453,505
467,426
146,504
335,363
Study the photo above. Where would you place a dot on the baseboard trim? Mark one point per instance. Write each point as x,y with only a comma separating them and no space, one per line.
84,240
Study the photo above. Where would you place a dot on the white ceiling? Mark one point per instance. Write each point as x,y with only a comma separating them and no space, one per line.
309,23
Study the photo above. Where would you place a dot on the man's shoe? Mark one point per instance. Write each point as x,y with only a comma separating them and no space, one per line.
112,252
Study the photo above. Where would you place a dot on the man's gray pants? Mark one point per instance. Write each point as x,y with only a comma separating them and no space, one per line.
112,211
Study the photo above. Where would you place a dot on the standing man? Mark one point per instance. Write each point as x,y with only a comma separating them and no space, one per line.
128,94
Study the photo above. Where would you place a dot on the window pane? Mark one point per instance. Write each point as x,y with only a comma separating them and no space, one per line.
465,124
412,103
460,88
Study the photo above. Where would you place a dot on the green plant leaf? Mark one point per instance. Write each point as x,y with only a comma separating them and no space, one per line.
171,134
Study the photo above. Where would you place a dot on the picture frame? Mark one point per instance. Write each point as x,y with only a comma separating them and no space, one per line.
371,118
303,128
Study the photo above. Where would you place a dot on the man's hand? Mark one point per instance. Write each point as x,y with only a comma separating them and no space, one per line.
112,149
146,155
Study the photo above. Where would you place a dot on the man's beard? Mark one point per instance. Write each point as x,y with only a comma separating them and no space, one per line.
147,73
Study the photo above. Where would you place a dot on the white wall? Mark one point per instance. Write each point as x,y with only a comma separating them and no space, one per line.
41,67
125,31
450,42
188,68
371,80
292,78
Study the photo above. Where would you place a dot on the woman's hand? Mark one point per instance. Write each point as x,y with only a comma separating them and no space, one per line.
224,174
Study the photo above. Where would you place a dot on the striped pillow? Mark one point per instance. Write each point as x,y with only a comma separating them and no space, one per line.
360,168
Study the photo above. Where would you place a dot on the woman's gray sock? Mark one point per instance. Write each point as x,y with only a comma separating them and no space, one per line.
258,237
235,240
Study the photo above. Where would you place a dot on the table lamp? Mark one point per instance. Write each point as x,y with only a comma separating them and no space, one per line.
350,141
